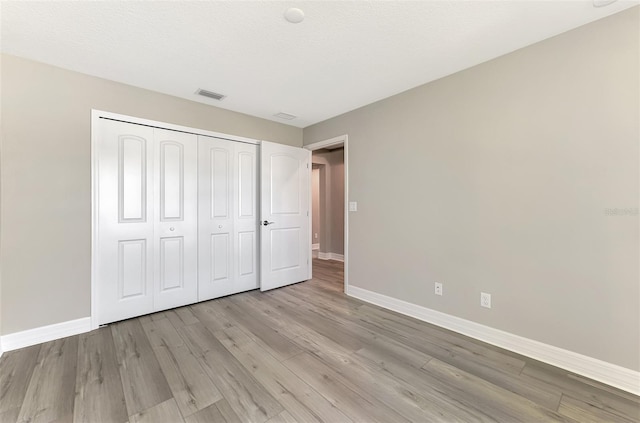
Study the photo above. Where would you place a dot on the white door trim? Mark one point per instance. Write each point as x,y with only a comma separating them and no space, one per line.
336,142
96,115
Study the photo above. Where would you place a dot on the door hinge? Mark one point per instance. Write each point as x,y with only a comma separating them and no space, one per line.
307,165
307,214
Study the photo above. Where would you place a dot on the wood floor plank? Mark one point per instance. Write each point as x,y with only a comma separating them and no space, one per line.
161,333
482,395
605,398
210,414
358,406
351,335
274,342
227,411
143,382
548,398
318,323
322,295
582,411
209,315
248,398
16,368
181,316
283,417
327,294
192,389
448,352
99,395
270,315
220,412
431,341
413,402
410,327
303,402
460,345
51,390
165,412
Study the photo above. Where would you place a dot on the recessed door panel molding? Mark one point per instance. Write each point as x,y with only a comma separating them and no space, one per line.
132,178
285,251
247,179
171,181
285,244
285,174
171,263
220,182
220,257
247,253
132,268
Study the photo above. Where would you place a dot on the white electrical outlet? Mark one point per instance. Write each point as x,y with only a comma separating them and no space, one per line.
485,300
438,288
315,236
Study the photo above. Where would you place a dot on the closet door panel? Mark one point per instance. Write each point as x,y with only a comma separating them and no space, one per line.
124,286
215,217
175,219
246,218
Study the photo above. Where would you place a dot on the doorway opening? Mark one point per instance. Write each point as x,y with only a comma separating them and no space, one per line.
329,215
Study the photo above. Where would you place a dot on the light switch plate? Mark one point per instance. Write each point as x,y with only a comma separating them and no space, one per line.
353,206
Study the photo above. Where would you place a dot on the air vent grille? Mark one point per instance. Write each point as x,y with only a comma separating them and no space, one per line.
210,94
286,116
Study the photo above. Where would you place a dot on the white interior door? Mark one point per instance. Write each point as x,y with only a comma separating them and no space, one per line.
227,217
125,221
175,219
285,222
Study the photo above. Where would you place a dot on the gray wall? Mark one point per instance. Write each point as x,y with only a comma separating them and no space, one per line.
498,179
46,174
331,199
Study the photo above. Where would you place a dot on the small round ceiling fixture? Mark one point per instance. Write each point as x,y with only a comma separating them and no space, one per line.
294,15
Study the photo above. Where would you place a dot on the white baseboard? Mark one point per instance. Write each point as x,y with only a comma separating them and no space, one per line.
610,374
330,256
26,338
315,246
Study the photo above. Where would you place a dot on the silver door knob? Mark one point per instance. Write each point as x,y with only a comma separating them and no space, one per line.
172,229
267,223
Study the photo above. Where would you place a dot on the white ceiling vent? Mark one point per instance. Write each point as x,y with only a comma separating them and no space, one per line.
286,116
210,94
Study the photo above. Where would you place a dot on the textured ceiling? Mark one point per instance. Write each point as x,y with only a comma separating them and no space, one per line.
343,56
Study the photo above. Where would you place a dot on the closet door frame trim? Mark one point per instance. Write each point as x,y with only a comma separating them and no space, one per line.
96,116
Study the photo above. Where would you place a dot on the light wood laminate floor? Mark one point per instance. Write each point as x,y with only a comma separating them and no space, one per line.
303,353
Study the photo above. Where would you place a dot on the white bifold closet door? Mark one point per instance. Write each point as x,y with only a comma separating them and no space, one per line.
147,220
227,217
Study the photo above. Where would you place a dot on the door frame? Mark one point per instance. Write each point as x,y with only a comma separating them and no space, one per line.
96,115
341,140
